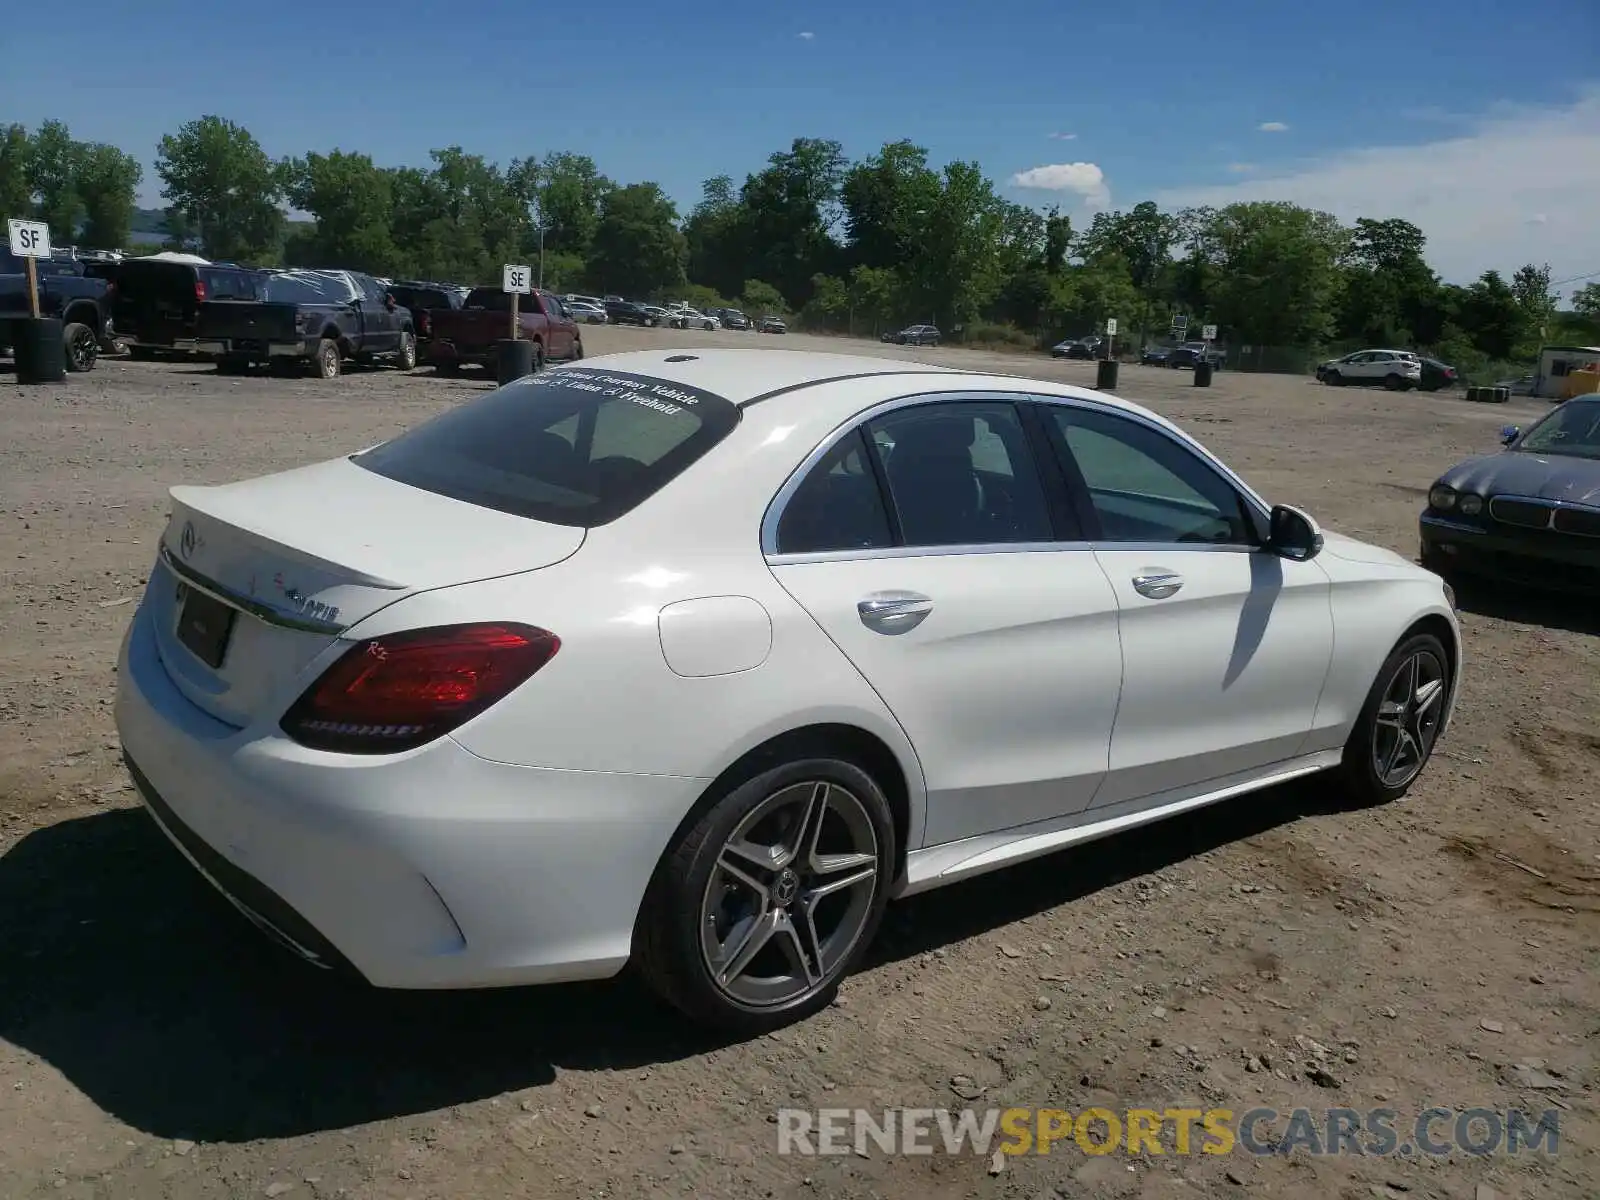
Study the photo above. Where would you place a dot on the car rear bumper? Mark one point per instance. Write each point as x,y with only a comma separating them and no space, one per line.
260,349
1550,563
434,868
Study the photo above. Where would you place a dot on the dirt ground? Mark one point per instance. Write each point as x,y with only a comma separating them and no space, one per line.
1275,951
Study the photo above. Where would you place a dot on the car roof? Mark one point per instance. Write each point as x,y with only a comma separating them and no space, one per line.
798,377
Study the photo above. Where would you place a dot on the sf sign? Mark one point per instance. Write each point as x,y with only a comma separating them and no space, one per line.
29,239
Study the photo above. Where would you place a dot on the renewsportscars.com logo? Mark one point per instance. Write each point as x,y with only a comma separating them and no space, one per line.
1434,1132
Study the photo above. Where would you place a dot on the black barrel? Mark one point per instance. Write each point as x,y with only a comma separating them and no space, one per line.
1202,373
40,351
516,360
1105,375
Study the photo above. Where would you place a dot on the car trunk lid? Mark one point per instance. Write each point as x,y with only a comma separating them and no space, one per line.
281,565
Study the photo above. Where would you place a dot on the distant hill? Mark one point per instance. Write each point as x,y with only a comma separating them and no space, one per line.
149,225
150,220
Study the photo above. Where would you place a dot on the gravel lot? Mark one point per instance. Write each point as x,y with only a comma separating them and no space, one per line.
1442,951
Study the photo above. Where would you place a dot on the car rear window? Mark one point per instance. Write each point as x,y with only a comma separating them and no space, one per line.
231,284
492,299
573,446
408,297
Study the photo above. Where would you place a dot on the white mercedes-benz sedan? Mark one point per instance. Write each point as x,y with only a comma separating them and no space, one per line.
696,659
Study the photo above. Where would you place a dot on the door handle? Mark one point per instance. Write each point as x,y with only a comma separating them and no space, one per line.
1158,585
893,612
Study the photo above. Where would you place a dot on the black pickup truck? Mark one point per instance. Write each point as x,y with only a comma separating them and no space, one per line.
323,318
81,301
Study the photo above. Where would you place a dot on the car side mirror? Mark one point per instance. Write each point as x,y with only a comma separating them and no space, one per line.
1509,434
1293,534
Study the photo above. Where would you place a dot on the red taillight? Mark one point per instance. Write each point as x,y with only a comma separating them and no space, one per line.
199,289
396,692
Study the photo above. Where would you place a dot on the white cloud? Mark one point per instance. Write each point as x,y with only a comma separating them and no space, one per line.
1084,178
1065,137
1241,168
1521,185
807,36
1273,127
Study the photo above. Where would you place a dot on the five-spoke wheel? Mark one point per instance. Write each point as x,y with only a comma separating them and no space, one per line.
1404,713
768,898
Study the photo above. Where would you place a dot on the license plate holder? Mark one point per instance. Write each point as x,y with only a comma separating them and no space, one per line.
205,626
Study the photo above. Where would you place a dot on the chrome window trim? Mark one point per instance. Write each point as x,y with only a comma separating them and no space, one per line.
780,501
188,576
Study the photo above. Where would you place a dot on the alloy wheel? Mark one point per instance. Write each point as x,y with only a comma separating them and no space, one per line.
790,895
1408,719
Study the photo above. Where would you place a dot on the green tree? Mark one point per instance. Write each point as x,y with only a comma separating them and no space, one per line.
1491,316
874,298
53,162
226,187
715,235
108,184
955,276
1586,300
638,249
887,201
790,209
567,193
760,298
16,187
1537,303
1277,280
353,206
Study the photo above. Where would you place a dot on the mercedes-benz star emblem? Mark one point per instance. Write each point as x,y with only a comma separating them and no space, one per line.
186,539
788,885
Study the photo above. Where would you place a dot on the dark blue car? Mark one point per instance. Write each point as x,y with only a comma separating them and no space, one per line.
1528,515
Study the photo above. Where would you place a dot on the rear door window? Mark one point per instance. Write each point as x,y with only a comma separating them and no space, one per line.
231,285
574,446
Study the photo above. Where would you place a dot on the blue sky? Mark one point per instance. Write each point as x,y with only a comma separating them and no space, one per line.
1161,100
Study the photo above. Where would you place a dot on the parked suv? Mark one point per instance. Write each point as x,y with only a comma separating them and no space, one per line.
1397,370
914,335
156,305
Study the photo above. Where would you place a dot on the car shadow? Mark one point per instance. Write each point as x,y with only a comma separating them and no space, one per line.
1524,606
128,974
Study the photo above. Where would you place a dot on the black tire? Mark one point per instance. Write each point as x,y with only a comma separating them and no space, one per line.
327,360
229,364
1394,383
538,359
670,945
406,359
1375,732
447,366
81,345
1333,379
577,350
141,353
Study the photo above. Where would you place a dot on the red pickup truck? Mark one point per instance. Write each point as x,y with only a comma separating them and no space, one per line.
473,332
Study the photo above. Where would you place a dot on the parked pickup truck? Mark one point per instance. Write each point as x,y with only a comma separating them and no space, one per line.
323,318
473,332
82,302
